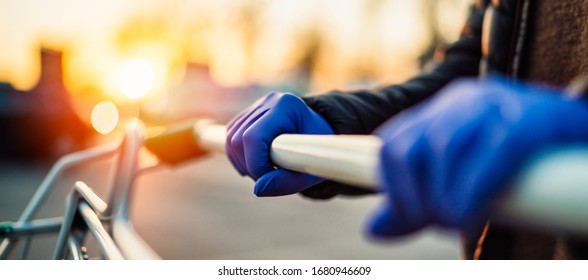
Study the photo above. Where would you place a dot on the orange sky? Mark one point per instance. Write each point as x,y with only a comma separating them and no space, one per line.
85,29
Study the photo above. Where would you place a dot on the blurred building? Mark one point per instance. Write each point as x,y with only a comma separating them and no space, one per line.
198,95
40,123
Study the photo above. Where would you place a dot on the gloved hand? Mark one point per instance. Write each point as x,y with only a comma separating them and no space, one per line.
250,134
444,161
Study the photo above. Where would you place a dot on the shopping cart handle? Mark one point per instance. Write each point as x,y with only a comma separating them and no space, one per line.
551,192
349,159
175,144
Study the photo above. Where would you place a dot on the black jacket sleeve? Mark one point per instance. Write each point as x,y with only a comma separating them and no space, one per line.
360,112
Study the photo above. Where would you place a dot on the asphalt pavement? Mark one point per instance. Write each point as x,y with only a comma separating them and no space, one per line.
204,210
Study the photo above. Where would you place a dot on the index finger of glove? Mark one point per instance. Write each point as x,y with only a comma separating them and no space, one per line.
234,145
257,142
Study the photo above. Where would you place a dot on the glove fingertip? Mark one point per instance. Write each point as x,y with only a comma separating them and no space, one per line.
379,223
283,182
386,223
265,186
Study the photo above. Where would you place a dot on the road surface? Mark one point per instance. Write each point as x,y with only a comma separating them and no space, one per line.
204,210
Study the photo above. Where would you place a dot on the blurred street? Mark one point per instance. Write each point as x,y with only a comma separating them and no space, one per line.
204,210
65,83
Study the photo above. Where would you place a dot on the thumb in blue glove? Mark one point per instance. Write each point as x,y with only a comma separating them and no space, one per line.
250,134
443,162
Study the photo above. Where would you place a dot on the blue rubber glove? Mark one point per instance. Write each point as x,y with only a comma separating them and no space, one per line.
444,161
250,134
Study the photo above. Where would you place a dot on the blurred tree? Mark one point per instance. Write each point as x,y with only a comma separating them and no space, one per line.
248,18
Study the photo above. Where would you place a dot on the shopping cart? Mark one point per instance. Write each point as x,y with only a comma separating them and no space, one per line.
551,193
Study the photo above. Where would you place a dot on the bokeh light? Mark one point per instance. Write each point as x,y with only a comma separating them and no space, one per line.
104,117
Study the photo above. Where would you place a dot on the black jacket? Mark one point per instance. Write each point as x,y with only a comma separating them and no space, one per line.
491,41
360,112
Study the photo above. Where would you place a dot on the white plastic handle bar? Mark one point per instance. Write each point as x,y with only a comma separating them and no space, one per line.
349,159
551,192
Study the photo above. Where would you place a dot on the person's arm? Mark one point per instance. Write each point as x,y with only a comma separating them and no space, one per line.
250,134
360,112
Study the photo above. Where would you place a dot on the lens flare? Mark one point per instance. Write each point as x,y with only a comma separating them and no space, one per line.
137,78
104,117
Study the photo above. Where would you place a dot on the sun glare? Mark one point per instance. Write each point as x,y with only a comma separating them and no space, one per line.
104,117
137,78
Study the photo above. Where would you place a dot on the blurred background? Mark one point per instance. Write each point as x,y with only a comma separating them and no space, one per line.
72,72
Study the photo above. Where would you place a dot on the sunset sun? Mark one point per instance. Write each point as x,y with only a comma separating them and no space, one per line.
137,78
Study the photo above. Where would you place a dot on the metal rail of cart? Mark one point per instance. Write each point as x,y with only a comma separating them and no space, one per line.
551,193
